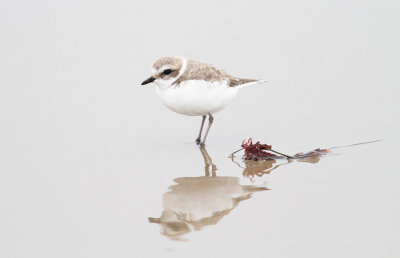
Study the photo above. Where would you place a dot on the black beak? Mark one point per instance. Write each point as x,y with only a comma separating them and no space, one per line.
149,80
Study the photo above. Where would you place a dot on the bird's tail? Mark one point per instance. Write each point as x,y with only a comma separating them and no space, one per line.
248,82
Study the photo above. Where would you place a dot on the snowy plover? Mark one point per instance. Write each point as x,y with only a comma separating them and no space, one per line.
194,88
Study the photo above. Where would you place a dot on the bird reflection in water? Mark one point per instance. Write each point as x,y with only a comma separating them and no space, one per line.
195,202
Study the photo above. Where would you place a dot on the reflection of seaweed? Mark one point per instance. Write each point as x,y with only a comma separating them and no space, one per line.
258,167
253,168
259,160
195,202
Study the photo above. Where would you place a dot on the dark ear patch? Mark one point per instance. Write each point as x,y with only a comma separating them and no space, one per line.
174,73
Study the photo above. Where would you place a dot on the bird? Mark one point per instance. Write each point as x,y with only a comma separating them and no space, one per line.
195,88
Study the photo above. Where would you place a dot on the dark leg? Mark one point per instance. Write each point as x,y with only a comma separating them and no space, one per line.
210,121
198,140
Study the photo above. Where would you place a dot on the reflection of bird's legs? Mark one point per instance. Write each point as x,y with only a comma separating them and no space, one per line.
210,121
208,162
198,140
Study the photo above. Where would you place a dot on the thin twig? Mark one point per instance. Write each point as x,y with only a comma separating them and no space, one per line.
355,144
235,152
287,156
277,152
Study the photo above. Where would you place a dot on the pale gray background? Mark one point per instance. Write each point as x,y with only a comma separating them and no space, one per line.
86,153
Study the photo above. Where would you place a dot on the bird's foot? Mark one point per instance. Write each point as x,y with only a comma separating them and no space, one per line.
198,140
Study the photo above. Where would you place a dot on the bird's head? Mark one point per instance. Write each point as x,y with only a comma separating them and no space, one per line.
166,70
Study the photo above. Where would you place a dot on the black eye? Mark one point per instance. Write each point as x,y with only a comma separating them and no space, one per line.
167,71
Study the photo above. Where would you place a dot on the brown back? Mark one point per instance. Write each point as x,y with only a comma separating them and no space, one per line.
197,70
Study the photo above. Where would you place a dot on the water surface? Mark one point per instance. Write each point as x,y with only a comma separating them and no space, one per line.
92,164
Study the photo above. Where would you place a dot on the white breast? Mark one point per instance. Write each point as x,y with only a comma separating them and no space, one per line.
197,97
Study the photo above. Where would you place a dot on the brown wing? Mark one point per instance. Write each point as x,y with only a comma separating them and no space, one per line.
197,70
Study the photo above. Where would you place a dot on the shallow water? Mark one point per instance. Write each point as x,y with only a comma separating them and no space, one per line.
92,164
119,203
